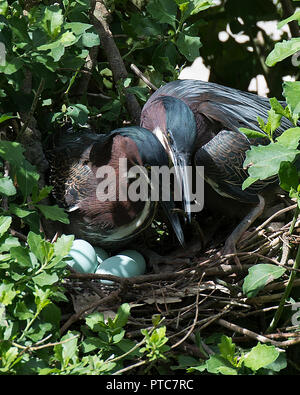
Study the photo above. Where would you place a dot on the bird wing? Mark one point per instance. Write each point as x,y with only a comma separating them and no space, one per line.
223,158
70,174
217,107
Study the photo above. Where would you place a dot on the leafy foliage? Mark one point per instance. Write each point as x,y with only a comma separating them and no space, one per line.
53,42
230,360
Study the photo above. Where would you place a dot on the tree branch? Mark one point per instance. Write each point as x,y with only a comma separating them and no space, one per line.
99,17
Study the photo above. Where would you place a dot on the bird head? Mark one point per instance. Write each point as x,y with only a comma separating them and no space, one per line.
140,150
173,122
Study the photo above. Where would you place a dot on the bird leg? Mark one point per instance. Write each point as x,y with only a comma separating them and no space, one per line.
230,244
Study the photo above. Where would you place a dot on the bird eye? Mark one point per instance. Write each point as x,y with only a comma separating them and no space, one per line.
170,137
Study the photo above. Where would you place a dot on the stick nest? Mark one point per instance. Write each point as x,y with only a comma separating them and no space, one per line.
204,295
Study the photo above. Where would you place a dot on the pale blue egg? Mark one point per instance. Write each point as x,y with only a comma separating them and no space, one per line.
118,265
101,254
138,257
84,258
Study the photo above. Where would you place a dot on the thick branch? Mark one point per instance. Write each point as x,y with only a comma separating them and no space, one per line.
99,19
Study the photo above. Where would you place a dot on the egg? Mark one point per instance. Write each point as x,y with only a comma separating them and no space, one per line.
136,256
119,265
84,258
101,254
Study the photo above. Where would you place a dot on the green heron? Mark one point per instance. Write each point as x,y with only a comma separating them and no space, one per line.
173,122
79,166
219,146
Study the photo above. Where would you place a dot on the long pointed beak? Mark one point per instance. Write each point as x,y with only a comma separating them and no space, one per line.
180,162
183,179
168,207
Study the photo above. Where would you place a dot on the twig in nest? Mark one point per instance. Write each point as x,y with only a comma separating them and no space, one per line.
249,239
93,305
256,336
194,322
246,332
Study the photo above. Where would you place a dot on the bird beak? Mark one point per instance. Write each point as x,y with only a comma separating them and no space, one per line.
180,162
168,207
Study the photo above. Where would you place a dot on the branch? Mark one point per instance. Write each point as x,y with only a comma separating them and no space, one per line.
99,18
142,77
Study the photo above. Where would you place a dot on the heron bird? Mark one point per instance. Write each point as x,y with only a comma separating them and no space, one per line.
79,172
219,146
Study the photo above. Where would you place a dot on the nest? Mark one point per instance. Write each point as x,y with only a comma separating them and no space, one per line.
204,295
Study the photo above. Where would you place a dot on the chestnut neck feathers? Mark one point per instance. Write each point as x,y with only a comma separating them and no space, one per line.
111,213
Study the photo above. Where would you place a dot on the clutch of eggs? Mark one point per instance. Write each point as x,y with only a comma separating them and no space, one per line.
128,263
87,259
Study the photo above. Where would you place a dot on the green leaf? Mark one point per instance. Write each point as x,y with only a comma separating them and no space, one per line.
279,364
77,28
188,46
37,246
163,11
122,315
43,279
25,172
7,293
290,138
295,16
249,181
227,348
252,133
260,356
217,364
291,91
90,40
12,152
57,48
52,20
200,5
18,211
54,213
5,117
5,222
139,91
67,350
3,7
7,187
283,50
63,245
273,122
12,65
277,107
95,321
260,275
288,176
20,254
8,242
27,177
41,298
264,161
78,113
42,194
